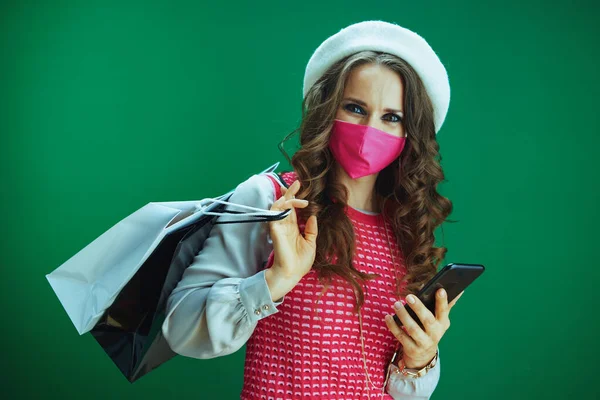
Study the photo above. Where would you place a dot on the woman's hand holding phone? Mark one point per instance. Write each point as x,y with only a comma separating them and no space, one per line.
419,345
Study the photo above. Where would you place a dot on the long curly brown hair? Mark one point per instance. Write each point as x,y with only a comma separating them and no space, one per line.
406,190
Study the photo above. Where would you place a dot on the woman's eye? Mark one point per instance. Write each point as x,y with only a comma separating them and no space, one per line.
354,108
394,118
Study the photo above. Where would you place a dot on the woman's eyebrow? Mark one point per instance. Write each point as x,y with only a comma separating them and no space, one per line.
362,103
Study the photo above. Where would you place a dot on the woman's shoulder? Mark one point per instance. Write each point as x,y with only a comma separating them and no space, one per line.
257,191
263,189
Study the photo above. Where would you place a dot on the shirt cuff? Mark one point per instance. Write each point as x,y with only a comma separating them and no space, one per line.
256,297
406,387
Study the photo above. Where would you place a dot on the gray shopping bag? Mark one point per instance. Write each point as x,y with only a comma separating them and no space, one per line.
118,285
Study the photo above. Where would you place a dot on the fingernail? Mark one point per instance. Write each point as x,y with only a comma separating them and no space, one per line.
411,299
398,305
388,318
442,293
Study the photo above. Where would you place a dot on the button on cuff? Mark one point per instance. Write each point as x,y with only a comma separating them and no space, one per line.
256,297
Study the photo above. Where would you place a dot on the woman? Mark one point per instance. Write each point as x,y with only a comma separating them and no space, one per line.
317,315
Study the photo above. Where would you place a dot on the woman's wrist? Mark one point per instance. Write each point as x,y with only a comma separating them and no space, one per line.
278,285
416,363
415,369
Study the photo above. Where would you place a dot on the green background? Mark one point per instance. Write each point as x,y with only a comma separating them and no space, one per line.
106,106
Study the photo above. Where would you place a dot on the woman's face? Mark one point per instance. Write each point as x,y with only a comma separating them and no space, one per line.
373,96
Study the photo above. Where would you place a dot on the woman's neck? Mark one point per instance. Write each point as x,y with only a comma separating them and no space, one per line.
361,193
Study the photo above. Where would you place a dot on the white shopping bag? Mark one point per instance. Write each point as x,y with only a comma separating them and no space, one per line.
88,283
116,287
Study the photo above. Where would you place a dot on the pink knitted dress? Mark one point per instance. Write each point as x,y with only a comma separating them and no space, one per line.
311,347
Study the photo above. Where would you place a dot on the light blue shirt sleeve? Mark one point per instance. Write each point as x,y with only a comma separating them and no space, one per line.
401,387
223,294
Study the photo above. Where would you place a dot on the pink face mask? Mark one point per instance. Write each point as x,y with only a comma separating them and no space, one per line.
363,150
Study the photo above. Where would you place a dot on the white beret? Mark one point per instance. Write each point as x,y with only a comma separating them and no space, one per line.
389,38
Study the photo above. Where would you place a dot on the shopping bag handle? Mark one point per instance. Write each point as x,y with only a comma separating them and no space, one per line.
259,216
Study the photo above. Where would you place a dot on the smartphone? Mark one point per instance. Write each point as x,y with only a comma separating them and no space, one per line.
454,278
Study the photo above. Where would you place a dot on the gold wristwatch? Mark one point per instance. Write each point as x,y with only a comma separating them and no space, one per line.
416,373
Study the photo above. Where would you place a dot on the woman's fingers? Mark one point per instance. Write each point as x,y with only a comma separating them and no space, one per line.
399,333
453,302
441,308
311,230
290,193
412,327
294,253
286,194
425,316
288,201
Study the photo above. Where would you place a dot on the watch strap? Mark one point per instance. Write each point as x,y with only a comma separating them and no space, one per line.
413,372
